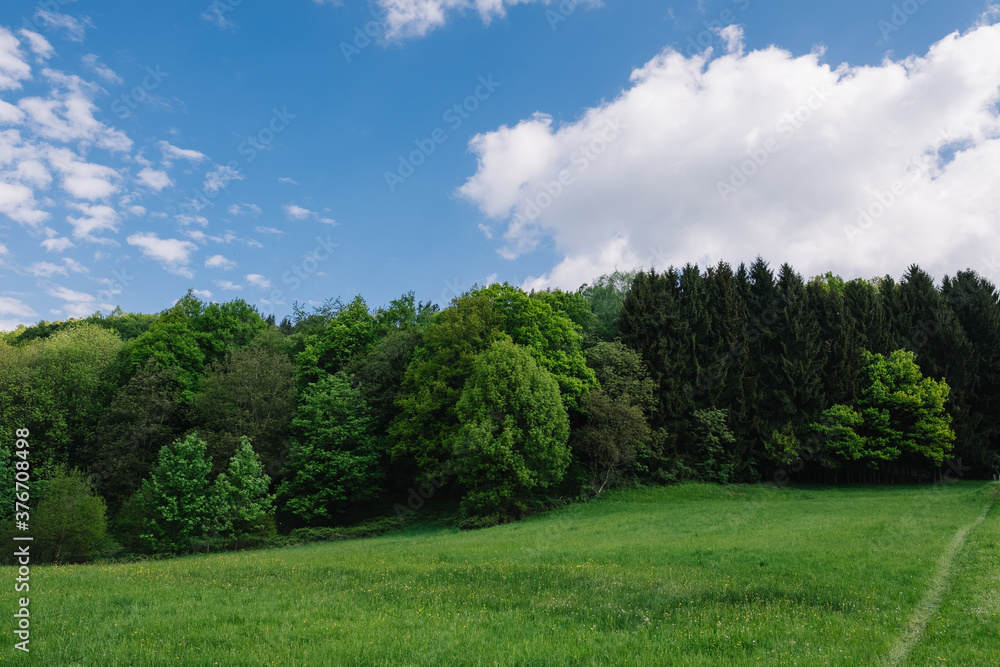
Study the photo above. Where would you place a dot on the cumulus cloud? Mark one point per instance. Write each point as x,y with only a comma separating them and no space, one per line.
57,244
83,180
17,201
94,218
244,209
258,281
78,304
74,28
37,43
220,176
297,212
67,113
92,63
227,285
154,179
171,153
46,270
173,254
13,67
415,18
21,313
220,262
860,170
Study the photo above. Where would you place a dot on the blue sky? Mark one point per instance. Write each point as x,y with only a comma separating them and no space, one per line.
253,150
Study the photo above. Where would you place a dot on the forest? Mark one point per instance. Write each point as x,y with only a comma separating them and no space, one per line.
208,426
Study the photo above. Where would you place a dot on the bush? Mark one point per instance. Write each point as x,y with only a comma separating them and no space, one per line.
69,523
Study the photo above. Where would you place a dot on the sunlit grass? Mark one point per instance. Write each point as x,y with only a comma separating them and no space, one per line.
684,575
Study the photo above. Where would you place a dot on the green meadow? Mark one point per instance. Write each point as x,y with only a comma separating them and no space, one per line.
684,575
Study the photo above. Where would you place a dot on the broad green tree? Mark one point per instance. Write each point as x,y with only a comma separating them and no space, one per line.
335,460
900,416
250,393
69,523
178,496
240,501
513,442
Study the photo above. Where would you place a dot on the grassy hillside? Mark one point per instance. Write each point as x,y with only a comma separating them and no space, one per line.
684,575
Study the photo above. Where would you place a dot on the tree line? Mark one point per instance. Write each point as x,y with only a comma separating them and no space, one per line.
207,425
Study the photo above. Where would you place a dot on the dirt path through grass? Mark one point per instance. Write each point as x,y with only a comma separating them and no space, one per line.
932,598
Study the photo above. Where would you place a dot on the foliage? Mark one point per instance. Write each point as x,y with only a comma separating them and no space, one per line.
176,496
513,439
250,393
334,460
900,415
711,455
68,523
611,436
140,420
240,502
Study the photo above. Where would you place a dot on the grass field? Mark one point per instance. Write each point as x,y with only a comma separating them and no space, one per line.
683,575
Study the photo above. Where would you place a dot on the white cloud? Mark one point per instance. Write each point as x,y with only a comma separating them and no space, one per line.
137,210
83,180
188,220
659,175
258,281
219,177
57,244
18,202
37,43
75,266
13,67
171,153
92,63
33,173
154,179
78,304
415,18
287,181
220,262
15,307
46,270
227,285
95,218
297,212
202,294
216,14
10,114
268,230
67,114
75,28
173,254
245,209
